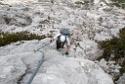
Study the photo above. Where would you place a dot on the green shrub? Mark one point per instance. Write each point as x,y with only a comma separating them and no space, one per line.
7,20
79,3
122,70
119,3
115,46
7,38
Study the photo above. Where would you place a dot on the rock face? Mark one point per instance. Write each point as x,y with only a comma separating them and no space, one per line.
121,80
18,61
13,67
87,25
16,1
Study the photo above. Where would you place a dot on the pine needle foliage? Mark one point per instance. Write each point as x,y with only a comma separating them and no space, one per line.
7,38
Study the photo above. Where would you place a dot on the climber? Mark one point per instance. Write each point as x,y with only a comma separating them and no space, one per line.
61,39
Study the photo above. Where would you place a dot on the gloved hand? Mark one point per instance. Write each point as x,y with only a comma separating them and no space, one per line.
66,53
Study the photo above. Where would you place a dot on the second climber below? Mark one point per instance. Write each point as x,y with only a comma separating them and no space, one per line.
62,38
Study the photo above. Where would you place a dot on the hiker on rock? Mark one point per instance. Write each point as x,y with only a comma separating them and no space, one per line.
61,39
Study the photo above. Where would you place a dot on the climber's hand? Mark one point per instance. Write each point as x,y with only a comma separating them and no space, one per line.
51,40
66,53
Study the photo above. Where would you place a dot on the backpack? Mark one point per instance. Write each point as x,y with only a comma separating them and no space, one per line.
58,39
64,32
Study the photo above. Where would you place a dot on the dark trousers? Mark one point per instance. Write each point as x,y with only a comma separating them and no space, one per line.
59,44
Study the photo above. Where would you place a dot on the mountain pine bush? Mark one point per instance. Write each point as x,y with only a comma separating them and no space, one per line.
119,3
7,38
115,46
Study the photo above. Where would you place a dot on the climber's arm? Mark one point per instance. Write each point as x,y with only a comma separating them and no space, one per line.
53,39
